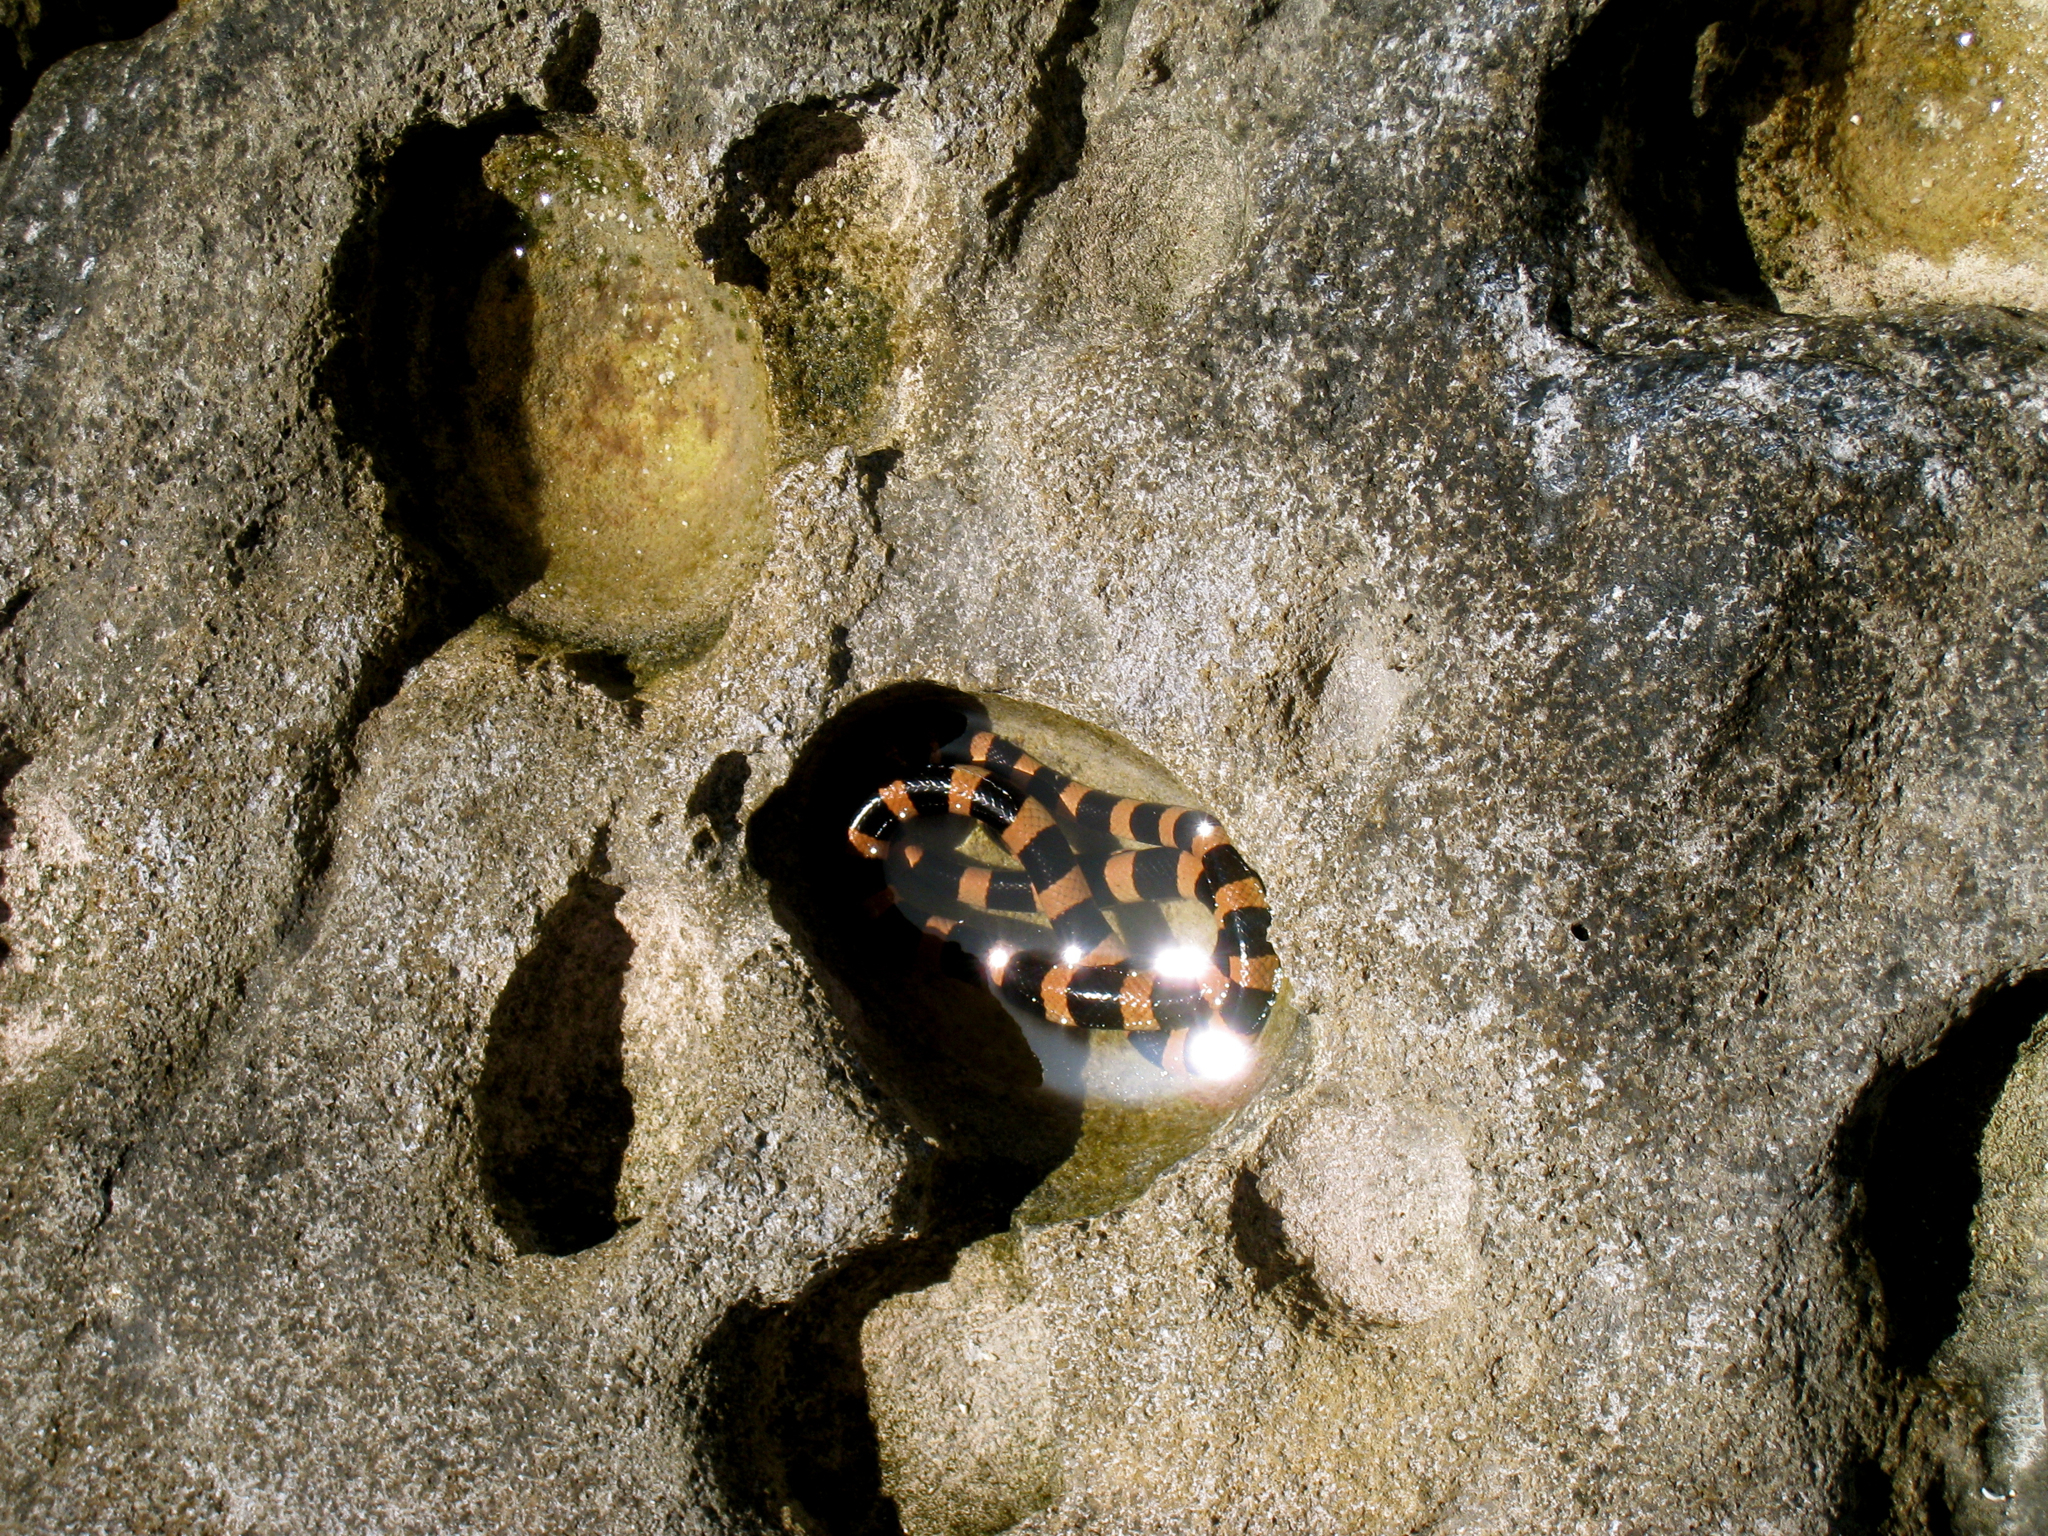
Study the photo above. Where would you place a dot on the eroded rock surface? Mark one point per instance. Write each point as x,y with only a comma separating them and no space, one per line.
425,1102
1374,1207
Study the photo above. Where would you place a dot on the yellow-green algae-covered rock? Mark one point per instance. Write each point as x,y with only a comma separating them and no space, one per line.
625,396
1917,173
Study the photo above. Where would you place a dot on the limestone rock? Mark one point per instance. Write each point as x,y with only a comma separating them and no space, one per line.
1377,1204
964,1409
426,1100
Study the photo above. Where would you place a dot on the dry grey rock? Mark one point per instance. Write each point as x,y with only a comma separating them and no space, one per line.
428,1101
961,1381
1376,1204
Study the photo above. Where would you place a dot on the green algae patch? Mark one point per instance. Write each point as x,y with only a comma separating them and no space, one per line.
831,349
1912,170
626,404
845,284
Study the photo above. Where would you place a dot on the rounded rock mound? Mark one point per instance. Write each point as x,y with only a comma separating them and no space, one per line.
623,395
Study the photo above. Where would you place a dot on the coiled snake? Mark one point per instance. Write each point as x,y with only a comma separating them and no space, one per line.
1087,980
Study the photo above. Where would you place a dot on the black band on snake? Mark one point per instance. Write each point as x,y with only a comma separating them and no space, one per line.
1090,983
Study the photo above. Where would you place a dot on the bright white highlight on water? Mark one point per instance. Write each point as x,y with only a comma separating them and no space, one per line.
1181,962
1071,955
1218,1054
998,957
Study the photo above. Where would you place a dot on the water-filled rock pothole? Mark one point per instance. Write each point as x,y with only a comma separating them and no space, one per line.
1899,161
1031,1122
1092,1092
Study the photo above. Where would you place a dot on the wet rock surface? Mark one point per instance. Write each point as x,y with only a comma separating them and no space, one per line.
426,1100
1898,168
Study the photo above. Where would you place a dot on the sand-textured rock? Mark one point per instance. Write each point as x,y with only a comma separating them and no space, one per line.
1375,1208
451,1078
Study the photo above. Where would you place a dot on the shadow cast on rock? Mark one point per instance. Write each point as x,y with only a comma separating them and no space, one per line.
789,1417
40,36
553,1113
1644,122
420,283
1910,1151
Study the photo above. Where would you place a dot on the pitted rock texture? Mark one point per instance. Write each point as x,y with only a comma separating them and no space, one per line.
961,1379
419,1109
1375,1207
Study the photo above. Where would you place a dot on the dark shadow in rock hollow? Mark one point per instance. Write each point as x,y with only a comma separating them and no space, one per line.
1911,1146
606,671
758,177
1863,1498
874,470
553,1113
565,75
719,795
791,1420
1652,103
718,798
1050,153
11,763
62,27
427,255
1257,1237
434,323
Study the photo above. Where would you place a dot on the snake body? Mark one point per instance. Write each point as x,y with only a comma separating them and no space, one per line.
1088,981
